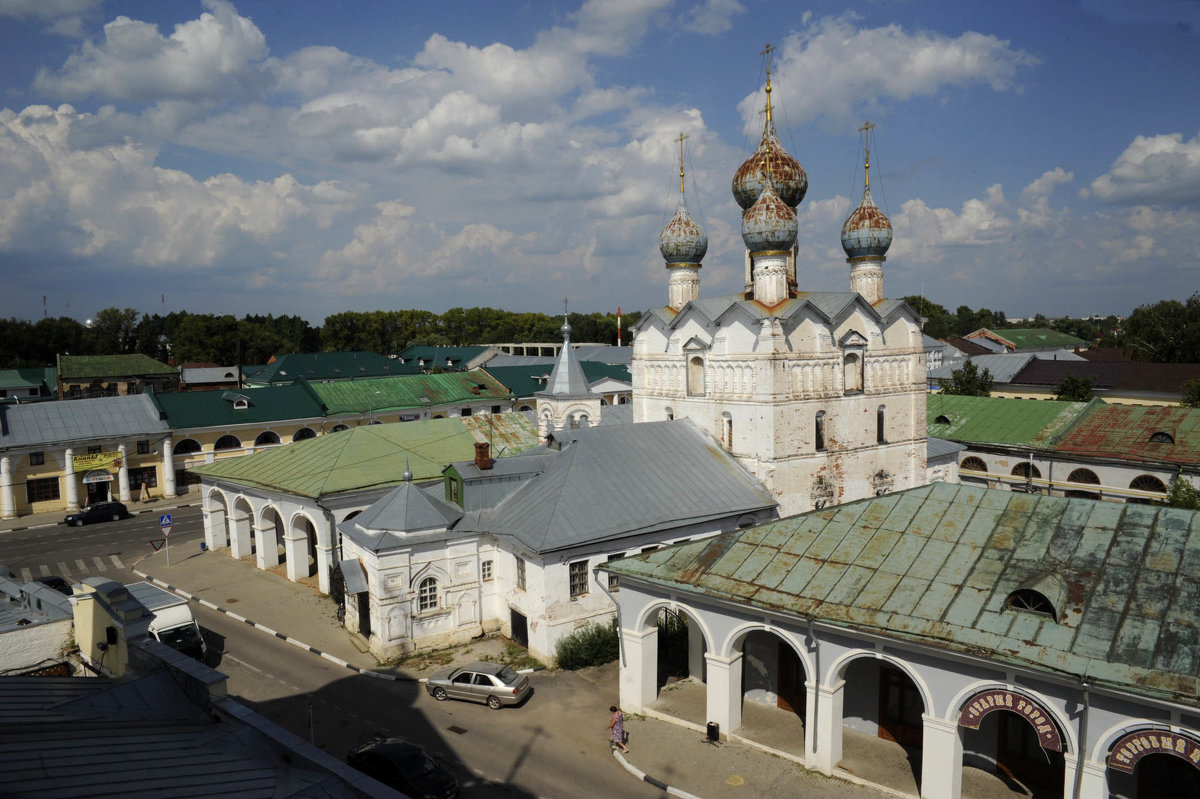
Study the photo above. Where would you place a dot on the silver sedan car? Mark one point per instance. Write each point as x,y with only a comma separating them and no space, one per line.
492,683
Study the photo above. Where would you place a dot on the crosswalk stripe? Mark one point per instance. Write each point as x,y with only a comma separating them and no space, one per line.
99,564
116,561
26,575
45,570
63,569
82,566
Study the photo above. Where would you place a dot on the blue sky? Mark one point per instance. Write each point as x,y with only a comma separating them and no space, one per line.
314,156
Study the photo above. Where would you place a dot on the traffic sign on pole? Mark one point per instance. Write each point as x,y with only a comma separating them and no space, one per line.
164,522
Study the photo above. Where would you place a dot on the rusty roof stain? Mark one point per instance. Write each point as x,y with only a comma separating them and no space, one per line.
934,565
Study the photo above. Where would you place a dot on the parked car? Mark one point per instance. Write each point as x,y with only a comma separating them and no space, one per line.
404,766
492,683
59,584
98,512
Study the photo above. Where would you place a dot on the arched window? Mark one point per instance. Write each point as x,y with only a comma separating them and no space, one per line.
266,438
304,433
670,414
1146,482
189,446
1082,476
942,419
727,431
427,598
1030,601
852,373
337,428
695,375
819,432
973,464
1162,437
1025,469
623,399
880,425
227,442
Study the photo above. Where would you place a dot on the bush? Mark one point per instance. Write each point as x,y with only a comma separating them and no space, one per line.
593,645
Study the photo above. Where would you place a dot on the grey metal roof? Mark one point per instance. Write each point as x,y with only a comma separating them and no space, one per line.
404,510
610,482
100,418
31,603
209,374
1003,368
567,380
831,305
935,566
940,448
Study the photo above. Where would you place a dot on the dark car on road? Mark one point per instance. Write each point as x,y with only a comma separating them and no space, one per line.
493,683
404,766
98,512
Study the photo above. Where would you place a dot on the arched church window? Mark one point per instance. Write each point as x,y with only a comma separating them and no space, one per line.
727,431
427,594
852,369
820,431
973,464
695,375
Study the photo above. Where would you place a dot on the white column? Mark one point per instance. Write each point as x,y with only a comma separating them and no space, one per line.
941,759
725,691
324,553
639,676
829,728
168,467
266,546
770,276
295,545
215,535
695,652
1095,781
123,475
69,479
239,535
8,504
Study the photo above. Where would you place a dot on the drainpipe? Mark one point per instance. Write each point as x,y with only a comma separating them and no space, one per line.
607,593
1083,730
817,677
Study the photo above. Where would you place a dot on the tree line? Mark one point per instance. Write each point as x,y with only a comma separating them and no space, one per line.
183,337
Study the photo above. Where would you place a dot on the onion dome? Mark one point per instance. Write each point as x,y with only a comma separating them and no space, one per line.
683,241
867,231
770,224
785,174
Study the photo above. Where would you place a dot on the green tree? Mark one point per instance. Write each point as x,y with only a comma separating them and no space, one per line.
1191,393
938,322
968,381
1166,332
1074,389
1182,494
114,331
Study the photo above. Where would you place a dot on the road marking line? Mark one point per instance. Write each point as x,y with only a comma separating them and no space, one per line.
63,568
83,569
45,570
99,564
116,561
244,663
27,575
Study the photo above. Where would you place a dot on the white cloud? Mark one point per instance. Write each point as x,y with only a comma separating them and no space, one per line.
62,17
1035,198
1158,170
835,70
212,57
712,17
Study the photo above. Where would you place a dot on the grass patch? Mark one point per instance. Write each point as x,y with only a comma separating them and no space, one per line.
590,645
514,656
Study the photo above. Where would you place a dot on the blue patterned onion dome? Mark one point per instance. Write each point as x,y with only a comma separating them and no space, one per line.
787,177
867,231
770,224
683,241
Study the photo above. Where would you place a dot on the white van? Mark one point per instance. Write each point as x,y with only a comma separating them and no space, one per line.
173,623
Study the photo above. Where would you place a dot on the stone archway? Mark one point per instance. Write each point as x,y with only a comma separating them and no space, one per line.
241,536
216,514
1011,739
688,697
301,548
269,534
1154,763
776,685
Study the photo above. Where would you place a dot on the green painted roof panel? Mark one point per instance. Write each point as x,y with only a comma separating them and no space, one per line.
409,392
1036,424
76,367
192,409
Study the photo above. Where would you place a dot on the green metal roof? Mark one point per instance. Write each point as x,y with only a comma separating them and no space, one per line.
192,409
409,391
1036,424
73,367
369,456
1037,337
315,366
1125,431
935,565
459,357
524,382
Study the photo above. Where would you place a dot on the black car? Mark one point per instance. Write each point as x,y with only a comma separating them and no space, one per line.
98,512
404,766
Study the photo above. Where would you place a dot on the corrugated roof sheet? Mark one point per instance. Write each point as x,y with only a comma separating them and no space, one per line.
369,456
30,377
403,511
105,418
524,381
935,565
1121,375
409,391
1036,424
75,367
610,482
1125,430
326,366
215,408
1002,367
1035,337
567,379
458,357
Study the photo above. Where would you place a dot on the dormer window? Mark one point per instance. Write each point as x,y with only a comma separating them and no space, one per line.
1162,437
1043,594
942,419
1027,601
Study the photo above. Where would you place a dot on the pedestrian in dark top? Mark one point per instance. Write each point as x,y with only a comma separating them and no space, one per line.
616,726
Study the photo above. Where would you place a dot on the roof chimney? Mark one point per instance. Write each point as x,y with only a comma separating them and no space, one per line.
483,455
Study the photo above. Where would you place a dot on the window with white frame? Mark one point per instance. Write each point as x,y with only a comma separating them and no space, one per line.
486,571
614,582
427,598
521,574
579,578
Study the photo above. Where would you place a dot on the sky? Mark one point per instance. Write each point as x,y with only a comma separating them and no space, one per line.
320,156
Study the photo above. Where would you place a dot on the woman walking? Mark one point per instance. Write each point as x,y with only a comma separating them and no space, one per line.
616,726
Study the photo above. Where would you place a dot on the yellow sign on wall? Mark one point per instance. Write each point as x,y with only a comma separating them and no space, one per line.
97,460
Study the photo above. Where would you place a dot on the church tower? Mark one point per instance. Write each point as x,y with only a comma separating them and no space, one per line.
866,236
820,395
567,401
682,244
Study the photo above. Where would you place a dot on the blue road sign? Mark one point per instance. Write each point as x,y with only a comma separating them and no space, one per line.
164,520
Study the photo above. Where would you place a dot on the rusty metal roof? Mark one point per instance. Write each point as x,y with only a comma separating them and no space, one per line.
935,565
1126,431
